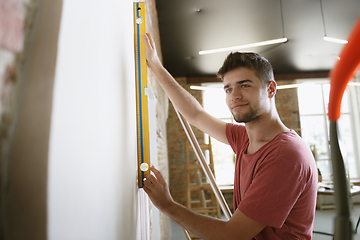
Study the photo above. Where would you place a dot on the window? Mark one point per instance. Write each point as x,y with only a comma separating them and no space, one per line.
313,106
224,157
313,99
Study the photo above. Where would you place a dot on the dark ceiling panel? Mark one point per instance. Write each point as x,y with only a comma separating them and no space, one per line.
188,26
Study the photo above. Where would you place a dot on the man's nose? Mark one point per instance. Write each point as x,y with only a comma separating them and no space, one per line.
236,94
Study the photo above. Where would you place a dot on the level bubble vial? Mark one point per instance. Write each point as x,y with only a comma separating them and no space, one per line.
144,167
139,20
145,91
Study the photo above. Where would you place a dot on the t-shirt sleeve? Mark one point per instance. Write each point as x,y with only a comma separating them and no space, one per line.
236,136
275,188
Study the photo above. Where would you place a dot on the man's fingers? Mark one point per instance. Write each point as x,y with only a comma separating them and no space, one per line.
148,191
150,178
158,175
147,185
145,188
148,40
152,42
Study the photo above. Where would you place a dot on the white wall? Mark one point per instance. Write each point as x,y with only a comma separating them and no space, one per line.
92,188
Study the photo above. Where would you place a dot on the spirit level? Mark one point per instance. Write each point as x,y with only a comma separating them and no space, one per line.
142,107
143,114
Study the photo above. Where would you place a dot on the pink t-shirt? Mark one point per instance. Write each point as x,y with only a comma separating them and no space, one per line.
276,185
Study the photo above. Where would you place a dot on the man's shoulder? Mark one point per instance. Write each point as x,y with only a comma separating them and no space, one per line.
294,149
236,125
290,139
235,129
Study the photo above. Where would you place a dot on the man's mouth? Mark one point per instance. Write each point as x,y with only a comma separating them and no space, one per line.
238,106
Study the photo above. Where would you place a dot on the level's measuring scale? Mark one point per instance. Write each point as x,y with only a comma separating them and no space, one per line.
142,112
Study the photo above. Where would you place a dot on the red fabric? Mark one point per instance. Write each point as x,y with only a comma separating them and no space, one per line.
277,185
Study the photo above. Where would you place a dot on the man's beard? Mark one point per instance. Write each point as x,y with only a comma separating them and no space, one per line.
247,117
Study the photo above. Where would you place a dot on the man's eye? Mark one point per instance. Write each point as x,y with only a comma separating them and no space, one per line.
245,86
227,90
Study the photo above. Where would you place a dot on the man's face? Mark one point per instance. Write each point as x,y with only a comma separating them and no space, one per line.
245,95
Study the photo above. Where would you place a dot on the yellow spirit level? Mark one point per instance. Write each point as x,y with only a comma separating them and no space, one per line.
142,112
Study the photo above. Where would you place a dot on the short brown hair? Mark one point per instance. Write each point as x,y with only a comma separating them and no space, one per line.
254,61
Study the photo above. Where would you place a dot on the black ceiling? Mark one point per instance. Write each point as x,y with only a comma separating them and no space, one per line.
188,26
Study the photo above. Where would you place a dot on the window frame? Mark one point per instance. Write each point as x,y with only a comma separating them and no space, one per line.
352,112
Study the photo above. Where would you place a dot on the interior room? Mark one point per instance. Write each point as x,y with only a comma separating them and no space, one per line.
69,162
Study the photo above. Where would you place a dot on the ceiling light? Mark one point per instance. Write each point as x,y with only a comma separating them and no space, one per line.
250,45
278,87
288,86
329,39
257,44
354,84
335,40
199,87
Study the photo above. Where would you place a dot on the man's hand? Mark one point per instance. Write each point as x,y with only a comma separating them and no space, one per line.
157,190
238,227
152,57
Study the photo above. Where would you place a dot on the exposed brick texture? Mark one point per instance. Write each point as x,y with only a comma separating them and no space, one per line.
23,164
161,110
286,101
15,22
176,147
13,14
12,22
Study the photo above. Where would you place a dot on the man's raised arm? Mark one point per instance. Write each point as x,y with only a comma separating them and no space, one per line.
183,101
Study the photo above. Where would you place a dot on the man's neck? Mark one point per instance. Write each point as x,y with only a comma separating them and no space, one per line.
263,130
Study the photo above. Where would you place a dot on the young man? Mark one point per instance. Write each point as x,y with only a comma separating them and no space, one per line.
275,177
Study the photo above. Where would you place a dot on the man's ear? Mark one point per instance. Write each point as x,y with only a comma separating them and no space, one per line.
271,89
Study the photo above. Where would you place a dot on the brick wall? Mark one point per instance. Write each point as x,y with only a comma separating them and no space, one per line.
16,23
286,101
176,148
161,110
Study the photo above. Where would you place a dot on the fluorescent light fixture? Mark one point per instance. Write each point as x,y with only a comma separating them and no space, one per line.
257,44
279,87
354,84
288,86
335,40
201,88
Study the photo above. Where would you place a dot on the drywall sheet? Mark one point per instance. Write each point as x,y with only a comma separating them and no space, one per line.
92,190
